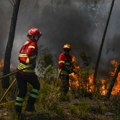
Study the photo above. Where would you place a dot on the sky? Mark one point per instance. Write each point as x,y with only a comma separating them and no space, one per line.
73,21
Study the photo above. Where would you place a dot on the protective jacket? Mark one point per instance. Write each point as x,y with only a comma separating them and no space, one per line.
27,56
65,64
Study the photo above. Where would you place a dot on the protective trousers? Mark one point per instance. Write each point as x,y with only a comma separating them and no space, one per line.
22,80
64,84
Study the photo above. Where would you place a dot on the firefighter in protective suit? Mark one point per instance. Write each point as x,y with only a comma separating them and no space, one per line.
27,60
65,68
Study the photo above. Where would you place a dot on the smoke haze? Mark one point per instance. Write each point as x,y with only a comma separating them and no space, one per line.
61,21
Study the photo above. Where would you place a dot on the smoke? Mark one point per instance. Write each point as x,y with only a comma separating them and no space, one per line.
80,23
5,15
66,25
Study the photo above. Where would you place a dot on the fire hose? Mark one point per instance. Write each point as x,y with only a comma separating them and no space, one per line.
5,93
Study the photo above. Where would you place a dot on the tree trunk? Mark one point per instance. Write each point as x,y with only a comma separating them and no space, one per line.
7,58
102,43
113,82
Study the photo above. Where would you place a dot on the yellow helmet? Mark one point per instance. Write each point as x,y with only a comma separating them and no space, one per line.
67,46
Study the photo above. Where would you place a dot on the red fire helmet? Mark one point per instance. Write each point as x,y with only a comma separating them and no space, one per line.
34,32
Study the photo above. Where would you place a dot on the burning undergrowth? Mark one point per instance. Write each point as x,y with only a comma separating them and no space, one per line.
2,65
84,80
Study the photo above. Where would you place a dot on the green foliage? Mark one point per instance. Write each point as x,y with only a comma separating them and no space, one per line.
45,69
115,104
48,59
49,98
74,109
79,110
83,108
86,71
118,117
45,60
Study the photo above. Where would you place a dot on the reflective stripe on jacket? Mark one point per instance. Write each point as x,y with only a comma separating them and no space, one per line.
27,56
26,68
64,61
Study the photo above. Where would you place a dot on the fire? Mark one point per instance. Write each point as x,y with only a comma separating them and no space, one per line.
2,64
116,88
77,82
74,83
89,86
74,78
90,83
103,89
115,64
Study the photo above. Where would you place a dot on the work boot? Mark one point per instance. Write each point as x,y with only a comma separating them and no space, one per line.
17,116
30,104
17,113
30,109
64,97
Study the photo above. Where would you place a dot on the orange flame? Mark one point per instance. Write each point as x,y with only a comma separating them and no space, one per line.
103,89
90,83
75,82
74,78
2,64
116,88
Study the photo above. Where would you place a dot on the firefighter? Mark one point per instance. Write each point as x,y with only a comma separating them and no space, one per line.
27,60
65,68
